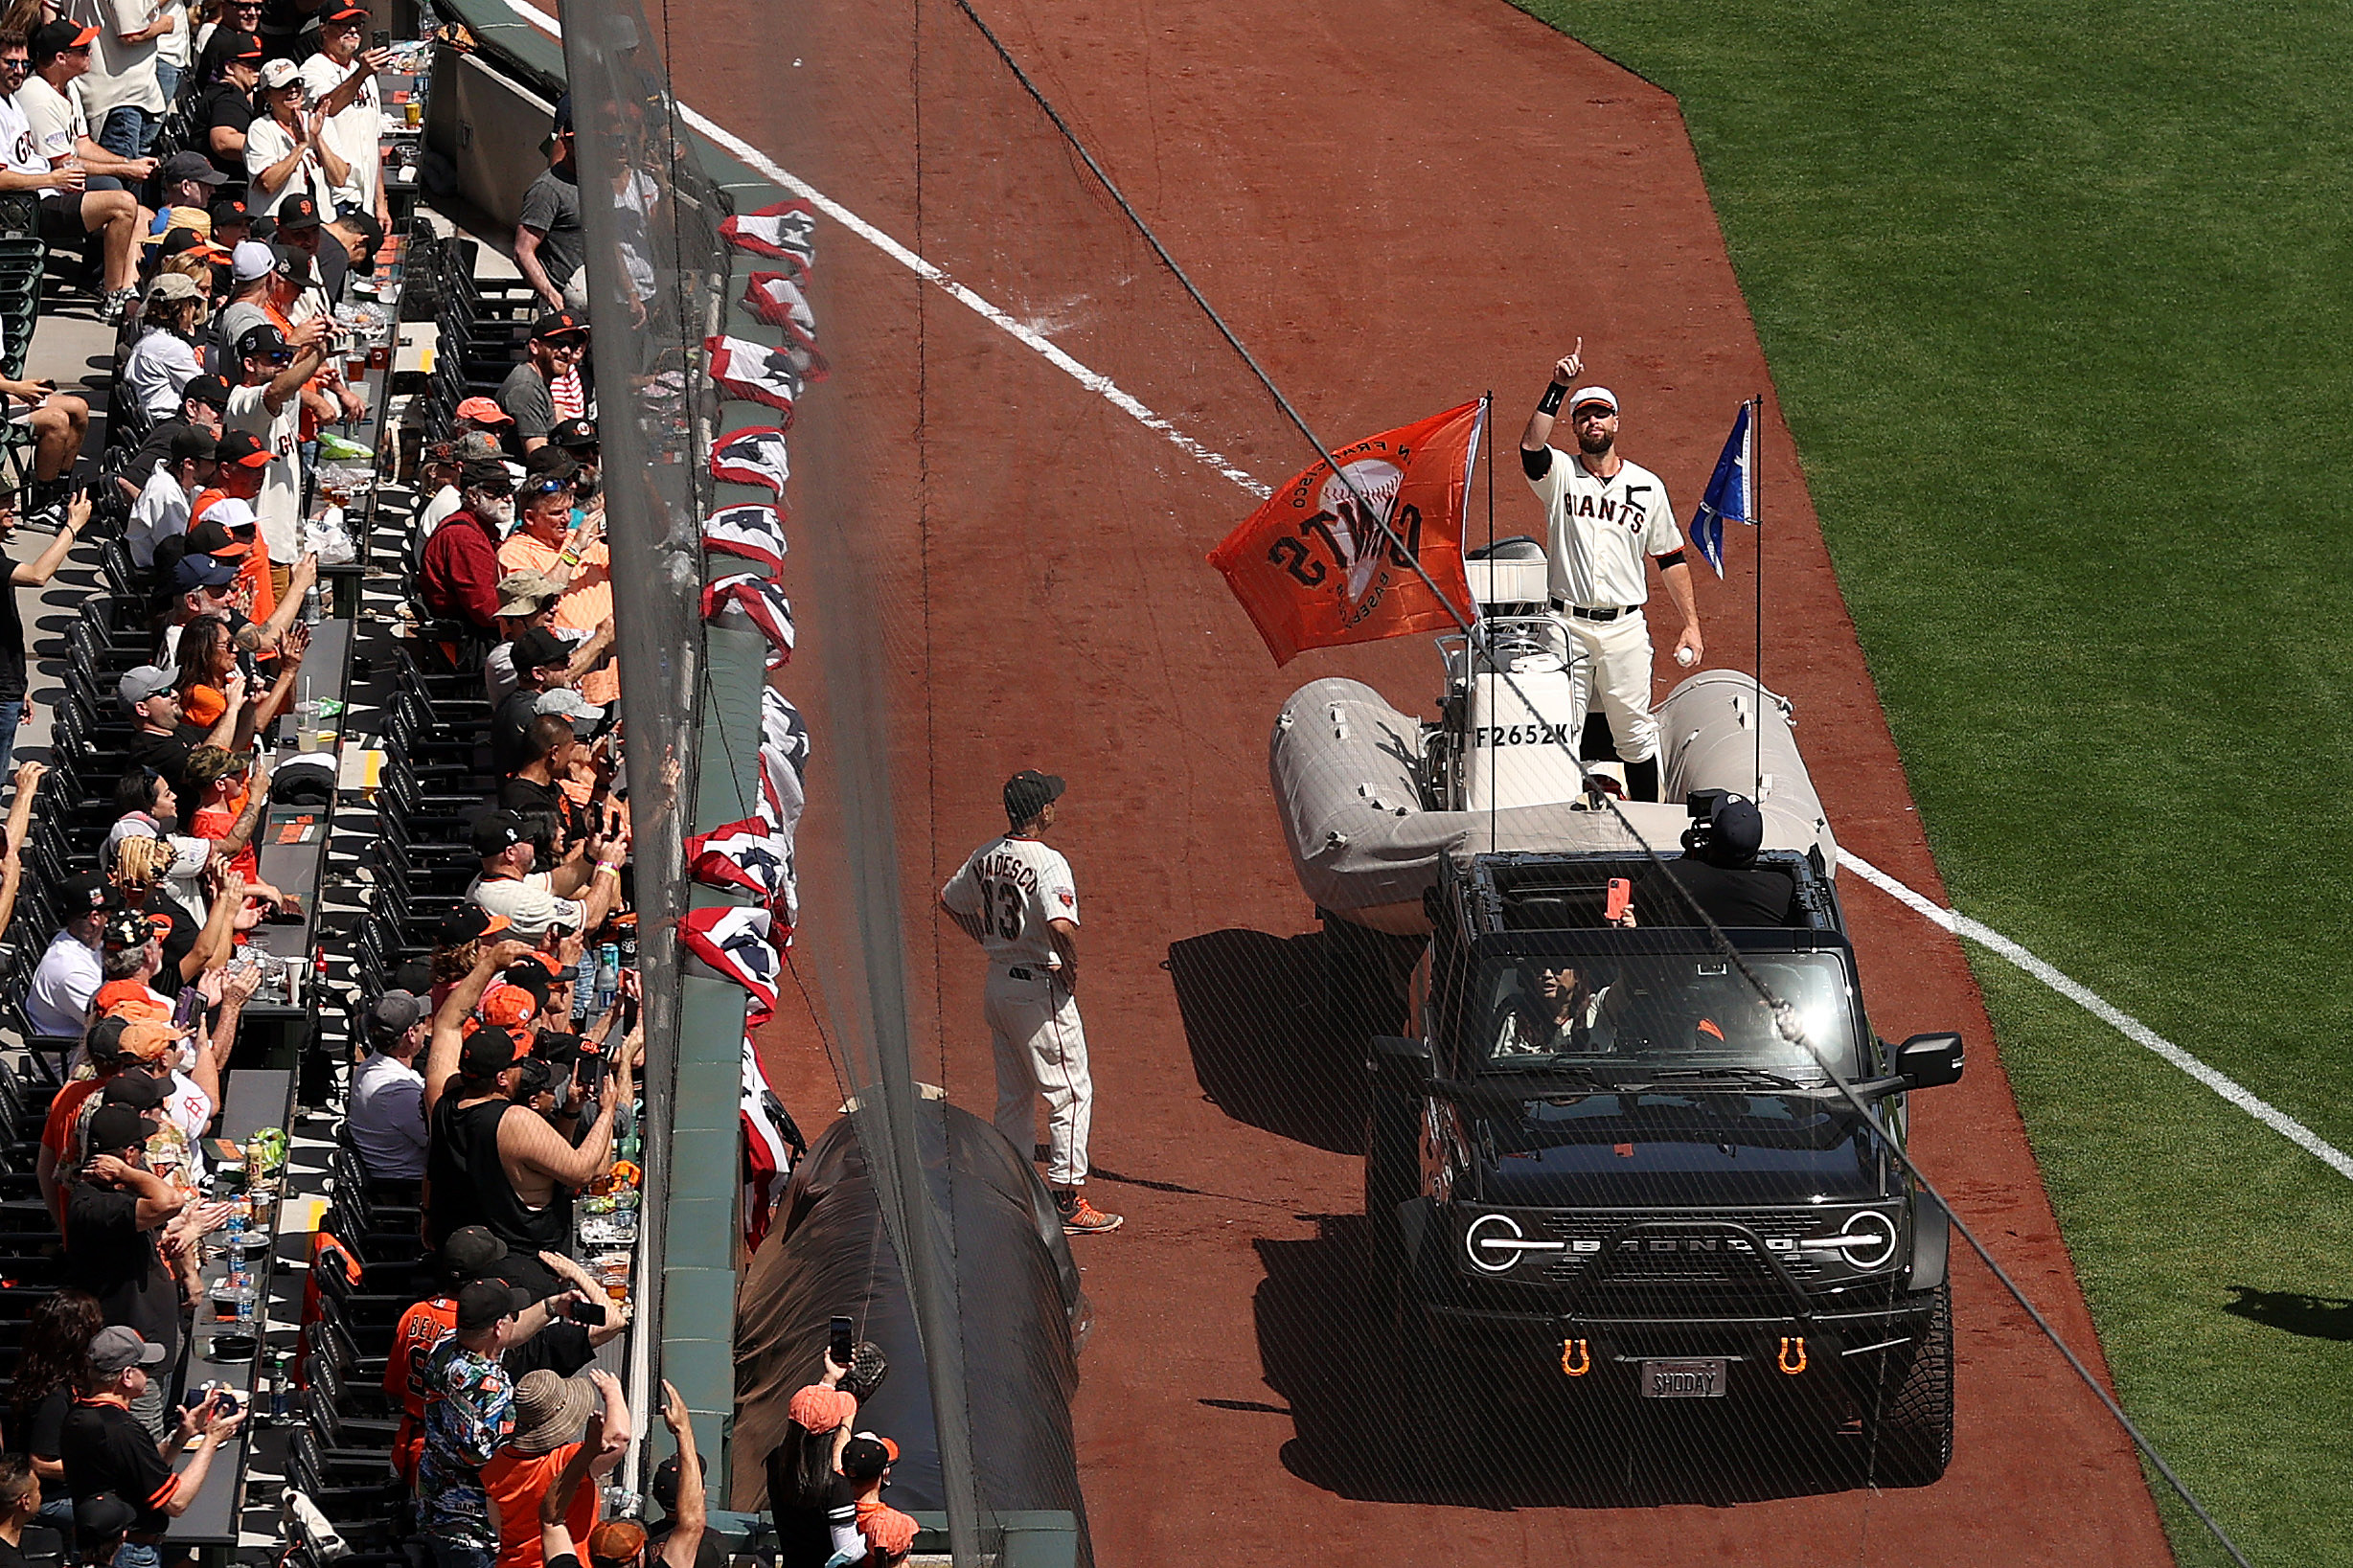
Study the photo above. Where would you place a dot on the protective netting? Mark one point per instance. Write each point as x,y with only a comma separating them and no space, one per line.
1630,1224
654,266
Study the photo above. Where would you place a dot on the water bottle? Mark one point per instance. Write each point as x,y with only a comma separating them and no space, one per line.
282,1388
312,614
584,988
608,976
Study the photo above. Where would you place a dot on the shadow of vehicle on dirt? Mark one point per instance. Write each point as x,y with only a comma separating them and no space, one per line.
2292,1312
1595,1446
1265,1049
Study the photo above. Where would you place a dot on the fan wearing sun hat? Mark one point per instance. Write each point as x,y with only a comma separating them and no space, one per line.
550,1417
621,1543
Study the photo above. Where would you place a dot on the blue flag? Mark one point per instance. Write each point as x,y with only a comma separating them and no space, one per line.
1731,490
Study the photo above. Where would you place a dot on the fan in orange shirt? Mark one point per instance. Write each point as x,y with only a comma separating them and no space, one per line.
545,542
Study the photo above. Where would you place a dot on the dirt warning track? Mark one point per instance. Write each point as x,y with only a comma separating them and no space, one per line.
1397,206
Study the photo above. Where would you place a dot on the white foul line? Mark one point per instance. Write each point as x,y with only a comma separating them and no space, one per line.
2083,996
2108,1012
1093,381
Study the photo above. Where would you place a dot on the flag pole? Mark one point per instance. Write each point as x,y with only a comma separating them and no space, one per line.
1756,490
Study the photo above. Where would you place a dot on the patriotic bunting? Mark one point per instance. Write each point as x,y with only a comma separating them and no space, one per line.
786,231
755,373
755,533
771,1142
777,300
782,729
742,854
737,944
755,456
763,603
781,795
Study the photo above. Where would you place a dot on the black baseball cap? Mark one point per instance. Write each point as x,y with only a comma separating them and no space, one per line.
195,441
1027,792
298,212
114,1128
209,390
104,1043
472,1253
262,341
574,435
560,324
485,1301
488,1052
539,649
498,831
86,893
229,213
1736,831
468,922
212,537
243,447
103,1514
865,1457
486,474
54,38
191,165
128,928
140,1091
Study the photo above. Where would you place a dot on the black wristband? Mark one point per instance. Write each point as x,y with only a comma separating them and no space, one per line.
1550,401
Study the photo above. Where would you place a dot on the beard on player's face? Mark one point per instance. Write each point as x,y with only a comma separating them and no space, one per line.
1594,439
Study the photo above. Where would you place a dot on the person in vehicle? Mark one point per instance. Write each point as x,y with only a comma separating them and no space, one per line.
1718,874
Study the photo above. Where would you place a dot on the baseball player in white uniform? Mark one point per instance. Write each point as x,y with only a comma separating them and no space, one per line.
1016,897
1603,517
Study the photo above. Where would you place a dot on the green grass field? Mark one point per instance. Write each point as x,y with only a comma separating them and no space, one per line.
2055,298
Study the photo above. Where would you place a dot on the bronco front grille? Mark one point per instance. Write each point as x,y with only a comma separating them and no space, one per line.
1688,1256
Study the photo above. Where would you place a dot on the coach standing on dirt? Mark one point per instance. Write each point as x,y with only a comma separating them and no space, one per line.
1016,897
1603,516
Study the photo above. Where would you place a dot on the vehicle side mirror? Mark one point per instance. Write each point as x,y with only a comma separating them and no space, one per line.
1394,1053
1931,1061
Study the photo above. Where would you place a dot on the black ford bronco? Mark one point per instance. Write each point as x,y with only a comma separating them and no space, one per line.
1595,1164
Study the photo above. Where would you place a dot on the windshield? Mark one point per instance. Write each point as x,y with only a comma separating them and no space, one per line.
1644,1016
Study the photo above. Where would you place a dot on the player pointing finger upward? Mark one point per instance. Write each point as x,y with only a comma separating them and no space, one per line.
1604,518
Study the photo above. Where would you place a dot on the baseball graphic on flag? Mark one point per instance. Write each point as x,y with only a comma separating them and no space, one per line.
1376,480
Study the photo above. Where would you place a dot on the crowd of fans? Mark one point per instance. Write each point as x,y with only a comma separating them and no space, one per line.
216,180
213,176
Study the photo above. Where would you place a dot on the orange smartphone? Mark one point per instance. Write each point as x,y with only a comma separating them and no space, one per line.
1621,899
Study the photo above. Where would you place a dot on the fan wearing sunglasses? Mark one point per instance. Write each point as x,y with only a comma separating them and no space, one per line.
47,145
577,559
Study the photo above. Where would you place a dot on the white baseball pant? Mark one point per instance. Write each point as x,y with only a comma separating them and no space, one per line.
1040,1053
1617,674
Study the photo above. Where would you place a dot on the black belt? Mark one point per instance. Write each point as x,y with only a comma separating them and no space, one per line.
1583,614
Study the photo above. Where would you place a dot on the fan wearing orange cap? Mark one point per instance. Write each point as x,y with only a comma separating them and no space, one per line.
489,1161
621,1543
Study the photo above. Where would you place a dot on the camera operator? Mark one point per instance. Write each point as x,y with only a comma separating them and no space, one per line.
1718,871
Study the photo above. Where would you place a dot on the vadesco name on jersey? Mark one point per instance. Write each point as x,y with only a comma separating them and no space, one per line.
999,865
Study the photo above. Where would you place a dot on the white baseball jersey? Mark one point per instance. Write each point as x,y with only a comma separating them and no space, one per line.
1015,886
1601,531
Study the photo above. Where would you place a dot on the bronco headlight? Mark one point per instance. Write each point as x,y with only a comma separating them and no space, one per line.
1865,1242
1494,1243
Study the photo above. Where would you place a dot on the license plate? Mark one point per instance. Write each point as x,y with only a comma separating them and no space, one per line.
1699,1377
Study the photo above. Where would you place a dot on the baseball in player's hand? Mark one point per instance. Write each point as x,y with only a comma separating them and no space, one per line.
1565,371
1690,641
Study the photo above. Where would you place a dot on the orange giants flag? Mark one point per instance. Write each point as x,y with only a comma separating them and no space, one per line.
1314,572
